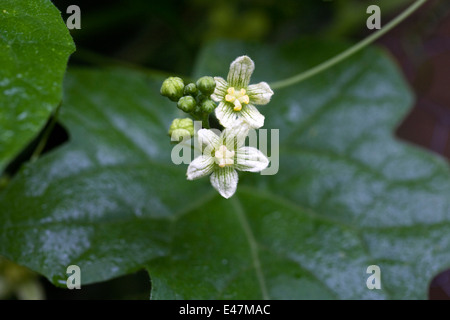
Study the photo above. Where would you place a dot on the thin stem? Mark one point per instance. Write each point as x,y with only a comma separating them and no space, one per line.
347,53
205,121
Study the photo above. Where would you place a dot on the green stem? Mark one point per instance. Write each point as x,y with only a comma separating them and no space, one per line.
205,121
347,53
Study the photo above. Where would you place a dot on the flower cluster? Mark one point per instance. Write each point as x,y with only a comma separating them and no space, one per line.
193,98
221,154
237,98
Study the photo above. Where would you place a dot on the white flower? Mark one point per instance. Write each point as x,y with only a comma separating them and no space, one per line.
237,98
223,155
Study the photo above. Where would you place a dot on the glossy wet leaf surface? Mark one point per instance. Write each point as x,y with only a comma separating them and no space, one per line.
34,48
347,194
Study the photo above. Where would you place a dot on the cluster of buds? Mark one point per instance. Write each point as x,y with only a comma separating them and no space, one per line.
193,98
181,129
225,154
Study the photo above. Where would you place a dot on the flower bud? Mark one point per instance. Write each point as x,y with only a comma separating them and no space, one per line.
187,104
197,110
201,98
181,128
190,90
207,106
172,88
206,85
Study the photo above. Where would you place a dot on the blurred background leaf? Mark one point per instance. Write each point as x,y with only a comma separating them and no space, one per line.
167,35
166,38
347,195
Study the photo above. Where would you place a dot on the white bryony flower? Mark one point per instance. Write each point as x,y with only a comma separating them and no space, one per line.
237,98
223,155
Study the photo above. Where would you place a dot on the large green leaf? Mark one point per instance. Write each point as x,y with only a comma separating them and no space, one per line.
348,195
34,47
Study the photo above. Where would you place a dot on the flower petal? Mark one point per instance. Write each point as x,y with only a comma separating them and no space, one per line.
225,181
240,72
259,93
234,136
225,114
221,89
207,137
250,159
252,116
200,167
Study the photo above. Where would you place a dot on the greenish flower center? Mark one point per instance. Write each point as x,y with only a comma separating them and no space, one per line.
224,157
237,97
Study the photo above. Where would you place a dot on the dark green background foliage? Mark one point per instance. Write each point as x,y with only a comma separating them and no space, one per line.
347,195
167,35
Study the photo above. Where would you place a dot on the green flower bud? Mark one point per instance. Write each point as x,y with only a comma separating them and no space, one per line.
208,106
206,85
181,128
187,104
201,98
190,90
172,88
